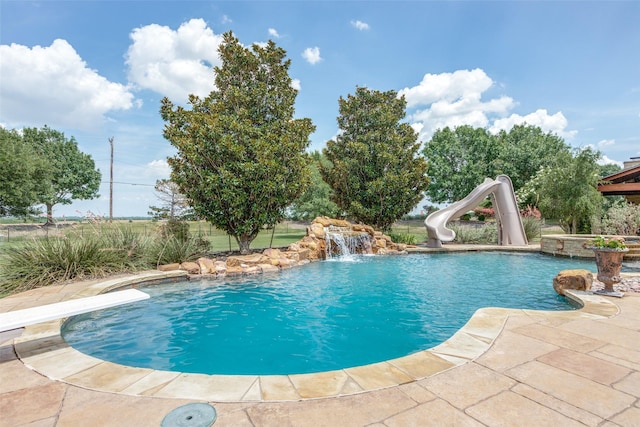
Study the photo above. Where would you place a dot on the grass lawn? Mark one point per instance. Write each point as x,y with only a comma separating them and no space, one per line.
12,235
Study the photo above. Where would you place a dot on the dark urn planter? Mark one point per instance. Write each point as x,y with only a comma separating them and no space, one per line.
609,263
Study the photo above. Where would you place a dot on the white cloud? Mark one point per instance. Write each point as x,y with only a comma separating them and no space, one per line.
312,55
158,169
362,26
461,84
607,161
455,99
555,123
273,33
295,83
53,85
606,143
226,19
174,63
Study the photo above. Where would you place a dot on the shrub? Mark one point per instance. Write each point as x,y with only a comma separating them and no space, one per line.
40,262
175,228
531,211
487,234
406,238
622,219
532,227
175,250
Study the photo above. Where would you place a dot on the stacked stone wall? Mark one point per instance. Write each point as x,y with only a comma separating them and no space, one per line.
312,247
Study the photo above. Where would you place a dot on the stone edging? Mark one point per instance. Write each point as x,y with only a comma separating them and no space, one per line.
42,349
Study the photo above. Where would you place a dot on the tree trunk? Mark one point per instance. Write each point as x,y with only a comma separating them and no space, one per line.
49,214
244,243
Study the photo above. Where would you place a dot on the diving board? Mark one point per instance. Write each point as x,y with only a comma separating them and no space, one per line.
18,319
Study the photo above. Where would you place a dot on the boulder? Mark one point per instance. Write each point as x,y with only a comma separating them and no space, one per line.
272,253
340,223
252,259
363,228
220,268
190,267
317,230
295,256
294,247
234,271
268,268
579,280
206,265
303,254
250,270
169,267
322,220
286,263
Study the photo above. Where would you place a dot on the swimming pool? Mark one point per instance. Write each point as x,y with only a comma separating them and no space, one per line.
320,317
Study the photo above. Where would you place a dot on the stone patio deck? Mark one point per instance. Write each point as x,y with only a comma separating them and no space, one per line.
535,368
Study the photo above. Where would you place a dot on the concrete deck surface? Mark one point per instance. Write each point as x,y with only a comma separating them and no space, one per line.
542,369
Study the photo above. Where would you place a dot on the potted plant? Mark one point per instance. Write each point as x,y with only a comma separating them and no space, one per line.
609,252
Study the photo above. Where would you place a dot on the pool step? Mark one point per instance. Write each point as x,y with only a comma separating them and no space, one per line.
634,252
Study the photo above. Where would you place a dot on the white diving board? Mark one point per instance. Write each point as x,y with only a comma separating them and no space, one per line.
18,319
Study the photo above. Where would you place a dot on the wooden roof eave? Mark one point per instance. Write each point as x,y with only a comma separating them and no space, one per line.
624,175
620,189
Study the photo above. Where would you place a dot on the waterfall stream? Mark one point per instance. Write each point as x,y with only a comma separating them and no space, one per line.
344,243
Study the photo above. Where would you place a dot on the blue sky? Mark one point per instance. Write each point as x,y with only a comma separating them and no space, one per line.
98,69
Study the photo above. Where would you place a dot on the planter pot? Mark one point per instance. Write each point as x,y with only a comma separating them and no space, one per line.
609,263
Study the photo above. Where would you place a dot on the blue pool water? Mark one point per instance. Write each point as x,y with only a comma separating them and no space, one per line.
323,316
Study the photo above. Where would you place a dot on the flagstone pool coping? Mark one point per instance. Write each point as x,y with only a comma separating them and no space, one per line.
42,349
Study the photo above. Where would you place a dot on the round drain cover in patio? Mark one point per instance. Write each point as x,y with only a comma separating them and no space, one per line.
191,415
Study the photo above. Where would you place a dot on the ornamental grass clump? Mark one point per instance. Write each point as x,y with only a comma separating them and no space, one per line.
532,227
487,234
41,262
406,238
173,249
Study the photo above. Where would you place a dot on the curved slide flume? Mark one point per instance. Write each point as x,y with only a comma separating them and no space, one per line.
510,229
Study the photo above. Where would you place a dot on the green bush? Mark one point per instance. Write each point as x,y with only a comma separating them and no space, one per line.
45,261
532,227
175,228
622,219
406,238
487,234
172,249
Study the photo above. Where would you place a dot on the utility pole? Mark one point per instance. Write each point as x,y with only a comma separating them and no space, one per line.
111,184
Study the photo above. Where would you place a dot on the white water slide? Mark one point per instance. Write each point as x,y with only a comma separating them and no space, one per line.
510,229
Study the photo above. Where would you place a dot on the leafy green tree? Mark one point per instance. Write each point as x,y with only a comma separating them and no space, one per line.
241,154
72,174
316,201
567,190
609,169
462,158
375,172
21,175
524,150
459,160
174,205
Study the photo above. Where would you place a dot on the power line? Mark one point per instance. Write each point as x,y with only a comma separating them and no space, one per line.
128,183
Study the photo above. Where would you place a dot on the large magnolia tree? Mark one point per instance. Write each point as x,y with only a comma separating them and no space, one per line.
376,173
241,153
